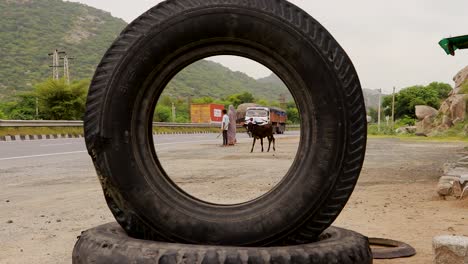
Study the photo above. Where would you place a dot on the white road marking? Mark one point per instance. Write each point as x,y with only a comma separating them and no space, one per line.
83,151
58,144
43,155
183,142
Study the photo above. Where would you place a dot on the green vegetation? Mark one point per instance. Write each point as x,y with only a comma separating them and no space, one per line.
163,111
206,78
464,88
60,101
53,100
32,29
406,99
459,130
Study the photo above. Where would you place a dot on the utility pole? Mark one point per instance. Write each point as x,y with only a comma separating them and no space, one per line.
173,113
37,108
393,108
282,101
378,114
55,63
66,68
66,72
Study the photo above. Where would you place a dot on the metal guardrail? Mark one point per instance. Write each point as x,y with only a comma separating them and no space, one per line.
39,123
64,123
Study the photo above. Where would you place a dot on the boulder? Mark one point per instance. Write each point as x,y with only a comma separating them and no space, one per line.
460,79
458,107
406,130
445,185
423,111
450,249
453,109
446,122
425,125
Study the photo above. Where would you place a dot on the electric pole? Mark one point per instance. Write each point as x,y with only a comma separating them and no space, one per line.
66,68
37,108
282,101
56,57
173,113
378,114
55,63
66,74
393,108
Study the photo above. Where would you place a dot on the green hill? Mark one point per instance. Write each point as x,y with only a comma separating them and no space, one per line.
208,78
30,29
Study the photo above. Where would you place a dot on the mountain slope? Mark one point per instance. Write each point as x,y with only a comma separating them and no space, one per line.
208,78
33,28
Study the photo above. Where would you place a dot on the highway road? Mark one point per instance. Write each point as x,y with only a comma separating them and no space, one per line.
58,148
49,191
62,159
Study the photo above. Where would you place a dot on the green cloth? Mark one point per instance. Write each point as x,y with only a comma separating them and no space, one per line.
450,45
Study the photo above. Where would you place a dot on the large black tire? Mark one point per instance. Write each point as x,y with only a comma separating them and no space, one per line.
109,244
161,42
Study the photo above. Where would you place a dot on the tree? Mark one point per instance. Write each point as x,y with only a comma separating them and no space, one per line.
406,99
373,113
162,113
293,115
292,112
22,108
442,89
2,115
241,98
60,101
203,100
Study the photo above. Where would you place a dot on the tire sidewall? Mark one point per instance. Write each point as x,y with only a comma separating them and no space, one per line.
138,179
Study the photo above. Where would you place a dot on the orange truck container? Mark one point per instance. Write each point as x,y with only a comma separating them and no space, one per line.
206,113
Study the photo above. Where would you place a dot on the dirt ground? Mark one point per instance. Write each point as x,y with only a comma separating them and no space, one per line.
44,212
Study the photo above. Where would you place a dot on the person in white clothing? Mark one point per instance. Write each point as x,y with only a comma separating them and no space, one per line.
224,127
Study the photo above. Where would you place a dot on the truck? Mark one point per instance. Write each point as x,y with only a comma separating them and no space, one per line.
206,113
262,115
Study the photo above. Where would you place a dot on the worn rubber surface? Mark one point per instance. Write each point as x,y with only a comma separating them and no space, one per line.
392,249
175,33
109,244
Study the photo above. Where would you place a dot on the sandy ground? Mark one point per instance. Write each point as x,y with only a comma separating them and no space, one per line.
46,204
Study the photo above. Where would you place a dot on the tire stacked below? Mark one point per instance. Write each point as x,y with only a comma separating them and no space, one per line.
109,244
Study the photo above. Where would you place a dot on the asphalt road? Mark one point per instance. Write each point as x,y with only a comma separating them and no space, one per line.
59,148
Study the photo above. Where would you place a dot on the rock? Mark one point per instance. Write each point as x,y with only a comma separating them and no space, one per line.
460,187
444,189
10,222
446,122
423,111
444,107
453,109
425,125
445,185
459,79
458,107
406,130
450,249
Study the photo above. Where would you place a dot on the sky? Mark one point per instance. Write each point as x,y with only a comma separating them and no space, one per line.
391,43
